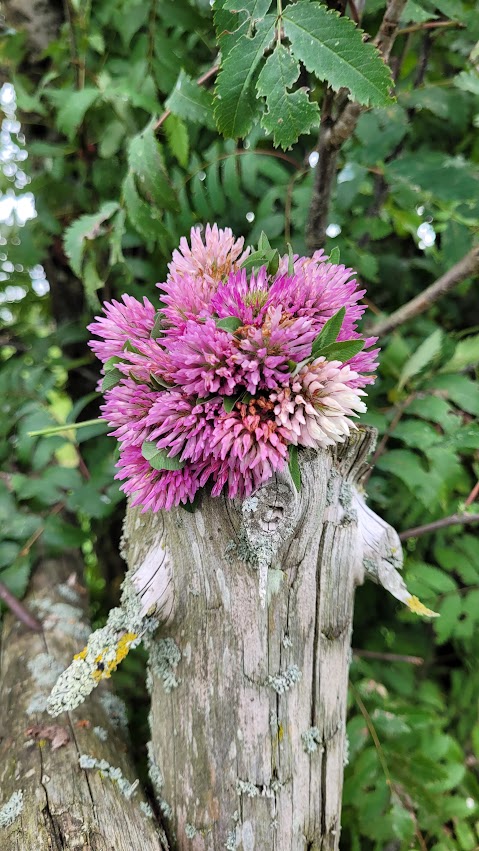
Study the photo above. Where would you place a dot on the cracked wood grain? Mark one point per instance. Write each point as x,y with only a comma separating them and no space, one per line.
65,808
249,743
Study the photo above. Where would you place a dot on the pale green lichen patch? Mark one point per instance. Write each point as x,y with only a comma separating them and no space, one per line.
146,809
100,733
244,787
154,772
331,487
45,669
126,788
251,790
68,593
311,740
231,547
164,659
285,680
115,709
37,704
265,525
231,844
63,617
165,808
105,649
12,809
157,781
346,501
190,831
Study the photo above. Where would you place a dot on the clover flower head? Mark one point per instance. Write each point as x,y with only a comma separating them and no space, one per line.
234,367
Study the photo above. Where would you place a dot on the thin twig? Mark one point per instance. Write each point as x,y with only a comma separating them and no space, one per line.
18,609
443,523
338,122
389,657
200,81
428,25
473,495
372,732
465,268
388,30
353,10
39,532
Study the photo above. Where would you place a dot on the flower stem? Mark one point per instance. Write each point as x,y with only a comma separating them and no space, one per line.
65,427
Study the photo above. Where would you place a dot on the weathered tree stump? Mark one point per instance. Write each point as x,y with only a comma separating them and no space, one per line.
249,701
57,805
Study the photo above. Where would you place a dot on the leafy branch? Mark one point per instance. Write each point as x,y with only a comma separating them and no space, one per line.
463,519
463,269
339,117
255,75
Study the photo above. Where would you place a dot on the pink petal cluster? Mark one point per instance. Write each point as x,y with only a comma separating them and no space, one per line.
315,407
222,380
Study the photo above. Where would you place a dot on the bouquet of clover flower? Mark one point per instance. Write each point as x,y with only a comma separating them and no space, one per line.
250,356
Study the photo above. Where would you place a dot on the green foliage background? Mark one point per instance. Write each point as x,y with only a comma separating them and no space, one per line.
114,193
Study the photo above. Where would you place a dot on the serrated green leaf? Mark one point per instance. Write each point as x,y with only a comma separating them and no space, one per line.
468,81
255,9
332,47
465,355
111,379
116,237
422,357
460,389
145,219
289,114
191,102
158,458
85,228
91,282
293,466
229,323
446,178
178,141
329,332
236,104
230,27
145,159
72,106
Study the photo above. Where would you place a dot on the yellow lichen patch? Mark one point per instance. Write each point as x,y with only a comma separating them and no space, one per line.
415,605
104,670
280,733
82,654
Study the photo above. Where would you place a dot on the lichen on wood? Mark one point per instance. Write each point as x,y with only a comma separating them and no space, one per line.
46,799
257,710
